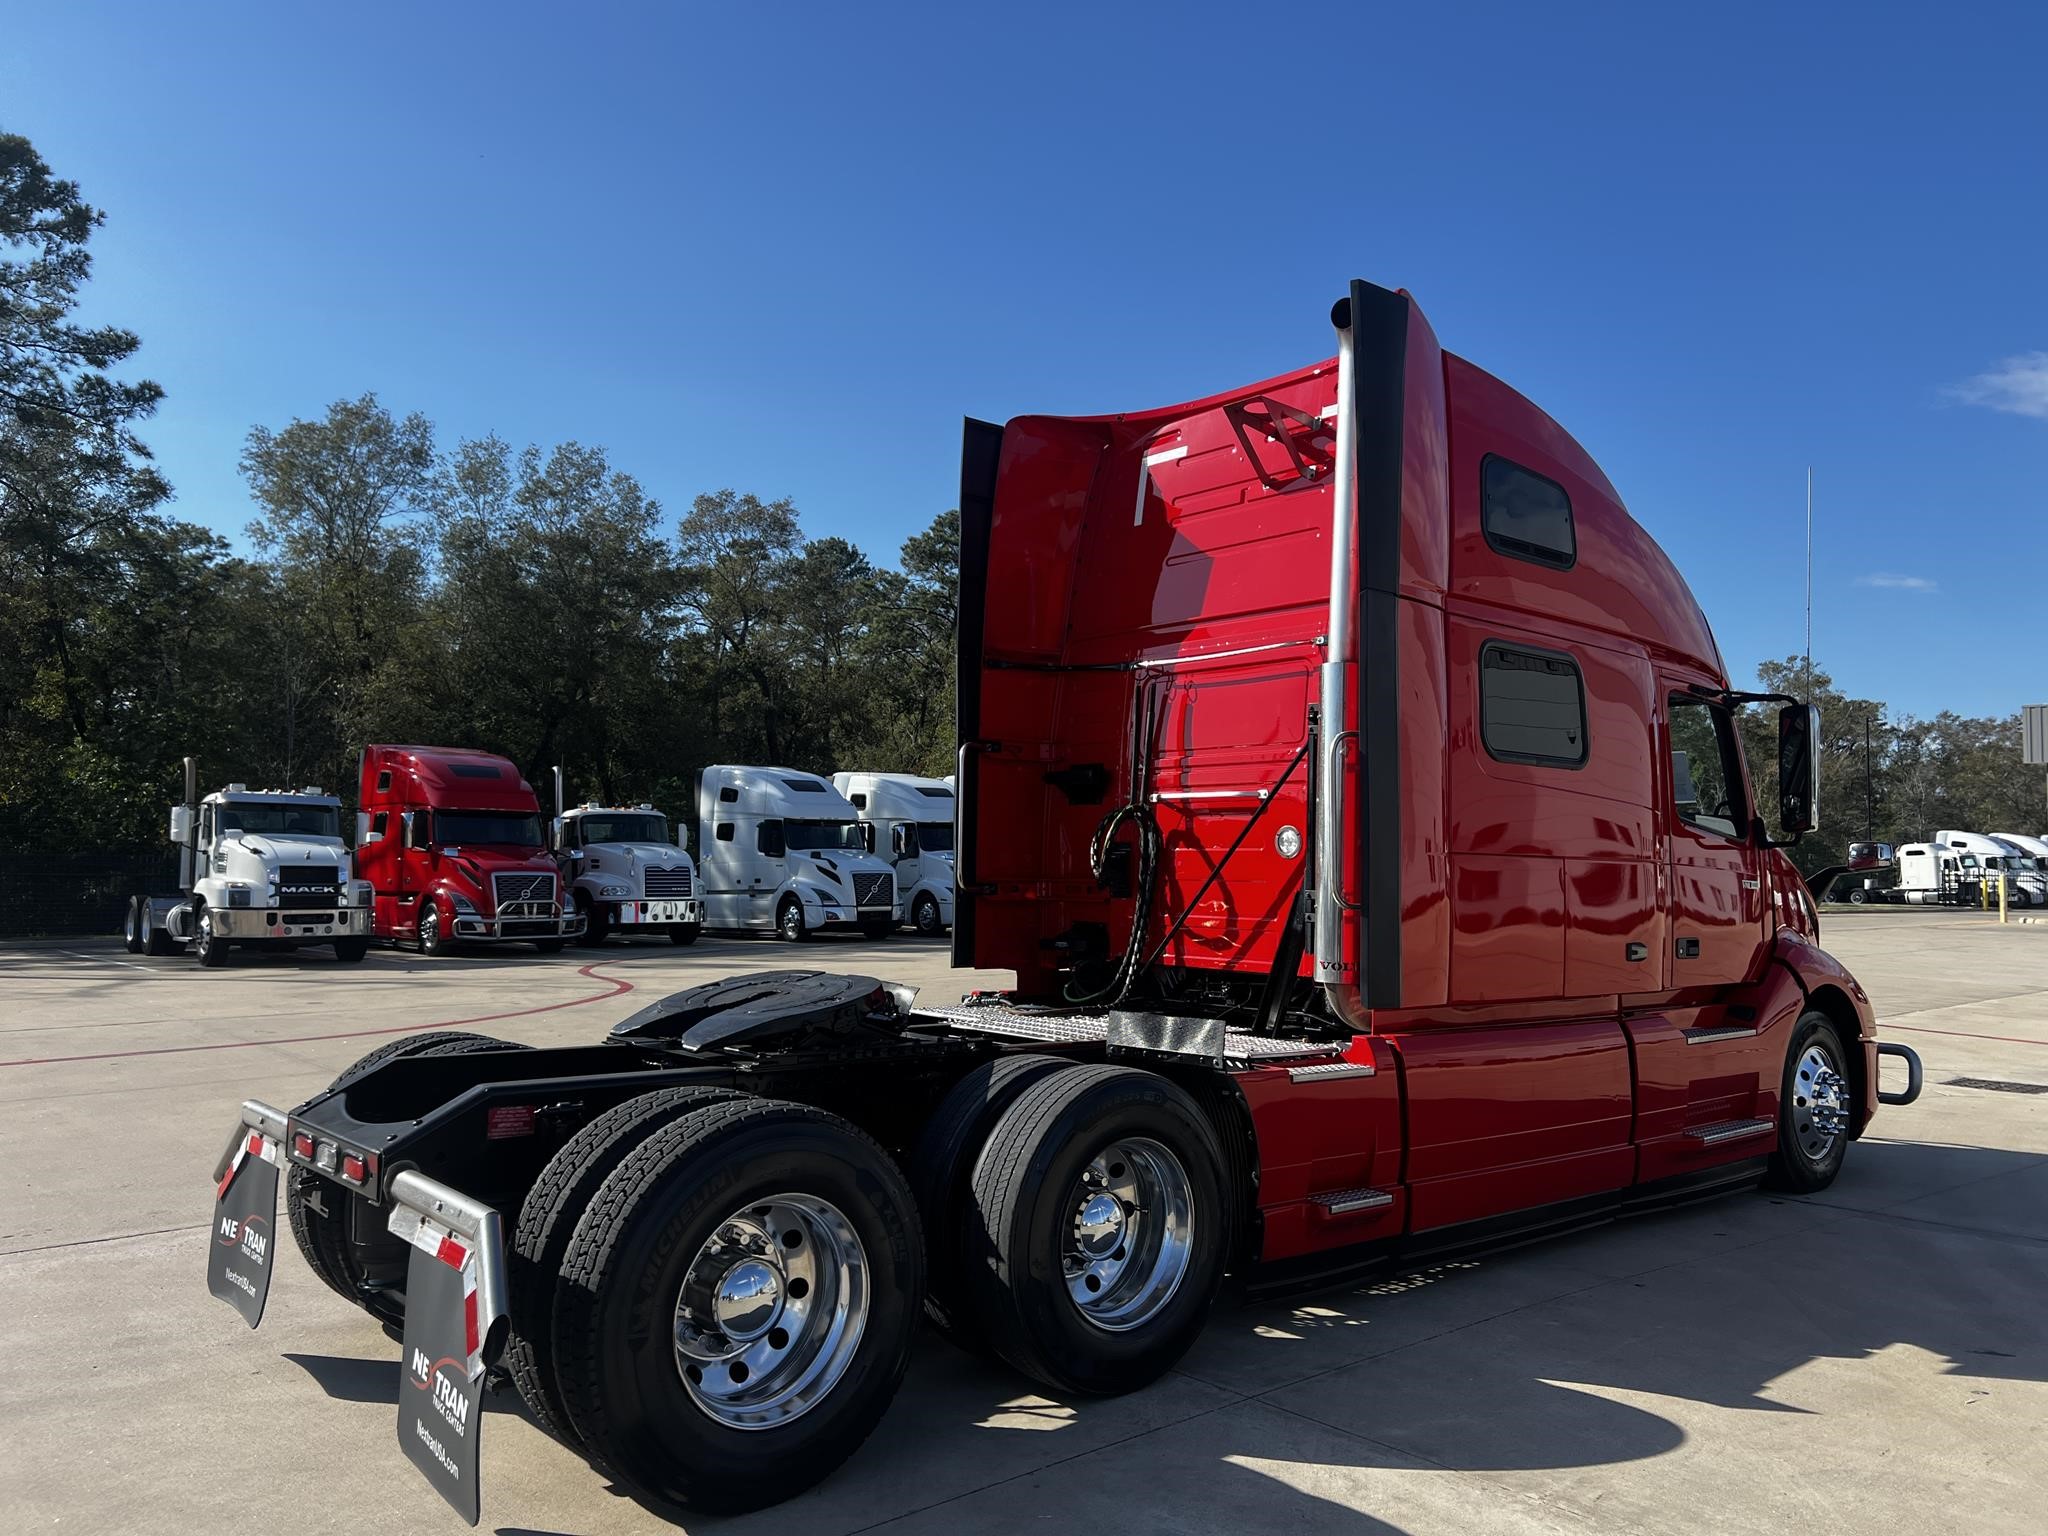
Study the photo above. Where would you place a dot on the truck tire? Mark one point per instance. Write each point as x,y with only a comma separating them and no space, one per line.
684,933
777,1224
924,916
597,927
155,940
1858,895
349,951
1814,1108
132,926
431,939
790,926
547,1221
941,1167
208,948
1103,1229
322,1236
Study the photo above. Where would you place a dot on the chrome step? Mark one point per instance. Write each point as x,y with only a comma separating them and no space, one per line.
1348,1202
1729,1130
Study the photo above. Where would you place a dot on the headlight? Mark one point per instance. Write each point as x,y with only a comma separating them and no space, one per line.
614,892
462,903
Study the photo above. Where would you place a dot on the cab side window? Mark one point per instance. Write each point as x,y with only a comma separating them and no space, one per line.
1706,768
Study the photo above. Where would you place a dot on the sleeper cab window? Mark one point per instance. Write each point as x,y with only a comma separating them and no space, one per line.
1532,706
1525,515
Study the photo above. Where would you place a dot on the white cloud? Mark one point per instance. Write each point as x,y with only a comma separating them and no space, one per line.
2018,385
1899,583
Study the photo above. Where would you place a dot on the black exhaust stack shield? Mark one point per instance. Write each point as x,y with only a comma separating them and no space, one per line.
245,1225
981,452
1379,319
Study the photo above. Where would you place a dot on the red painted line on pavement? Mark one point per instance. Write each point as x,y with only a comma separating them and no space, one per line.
617,987
1918,1029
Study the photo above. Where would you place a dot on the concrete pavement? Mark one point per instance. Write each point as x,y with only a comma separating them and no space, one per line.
1875,1357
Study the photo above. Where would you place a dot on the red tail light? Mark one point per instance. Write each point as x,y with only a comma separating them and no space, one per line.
353,1168
302,1145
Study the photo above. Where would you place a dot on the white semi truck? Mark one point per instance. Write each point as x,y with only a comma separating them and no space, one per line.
624,871
261,868
909,821
784,852
2028,846
2025,886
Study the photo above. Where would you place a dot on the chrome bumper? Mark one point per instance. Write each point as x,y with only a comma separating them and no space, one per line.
655,914
245,923
472,929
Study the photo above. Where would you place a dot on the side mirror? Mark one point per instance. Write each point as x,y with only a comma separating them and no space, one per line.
555,833
1798,769
770,842
903,840
364,836
419,828
181,824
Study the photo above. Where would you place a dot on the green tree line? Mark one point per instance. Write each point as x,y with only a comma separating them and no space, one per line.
537,602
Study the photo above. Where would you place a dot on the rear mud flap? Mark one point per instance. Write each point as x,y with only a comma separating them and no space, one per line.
244,1230
455,1326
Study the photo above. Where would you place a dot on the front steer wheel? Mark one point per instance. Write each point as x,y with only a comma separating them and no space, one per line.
208,947
1102,1224
1814,1108
736,1308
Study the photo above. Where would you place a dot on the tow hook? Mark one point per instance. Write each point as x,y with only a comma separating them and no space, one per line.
1912,1059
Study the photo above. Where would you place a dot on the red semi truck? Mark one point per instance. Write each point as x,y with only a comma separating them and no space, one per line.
1353,787
452,841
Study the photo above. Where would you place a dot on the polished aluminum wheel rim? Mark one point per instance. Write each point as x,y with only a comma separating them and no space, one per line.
1820,1102
771,1311
1129,1234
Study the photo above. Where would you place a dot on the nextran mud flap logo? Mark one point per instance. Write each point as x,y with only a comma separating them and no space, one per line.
246,1236
443,1379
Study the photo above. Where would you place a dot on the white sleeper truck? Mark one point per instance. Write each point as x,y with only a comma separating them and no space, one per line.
625,872
2025,886
261,868
910,823
784,852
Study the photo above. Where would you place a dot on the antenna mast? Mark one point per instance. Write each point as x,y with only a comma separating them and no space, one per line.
1809,583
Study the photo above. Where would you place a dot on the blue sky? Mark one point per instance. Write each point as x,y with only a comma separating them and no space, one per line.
786,249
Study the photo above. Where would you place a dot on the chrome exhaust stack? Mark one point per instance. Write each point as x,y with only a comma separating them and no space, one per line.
1336,973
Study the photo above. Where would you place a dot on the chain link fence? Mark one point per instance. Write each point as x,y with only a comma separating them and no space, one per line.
43,895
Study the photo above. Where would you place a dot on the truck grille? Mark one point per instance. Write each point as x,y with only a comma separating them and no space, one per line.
667,884
523,895
874,890
305,886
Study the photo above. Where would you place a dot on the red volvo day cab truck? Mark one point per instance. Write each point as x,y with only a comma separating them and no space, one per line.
1351,784
452,841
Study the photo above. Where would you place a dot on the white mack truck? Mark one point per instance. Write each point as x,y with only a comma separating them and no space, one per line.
263,868
625,871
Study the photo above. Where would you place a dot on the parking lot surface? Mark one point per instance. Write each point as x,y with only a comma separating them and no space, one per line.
1874,1357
